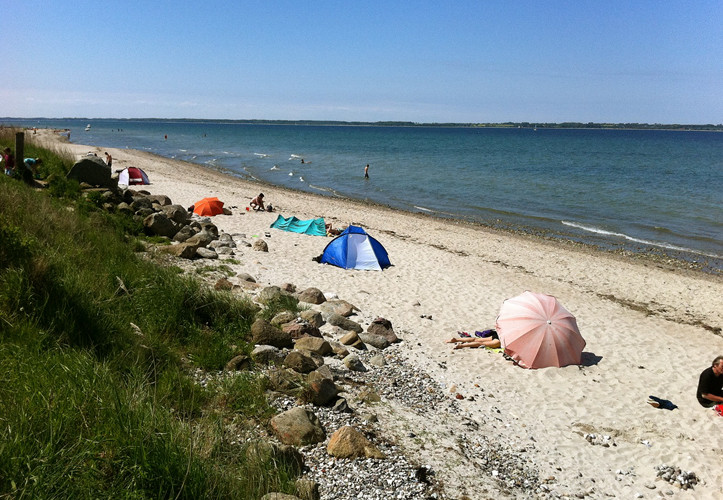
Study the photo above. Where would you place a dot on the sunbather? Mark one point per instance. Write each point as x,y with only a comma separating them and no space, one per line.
490,340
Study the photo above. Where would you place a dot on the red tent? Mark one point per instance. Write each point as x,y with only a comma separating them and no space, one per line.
132,176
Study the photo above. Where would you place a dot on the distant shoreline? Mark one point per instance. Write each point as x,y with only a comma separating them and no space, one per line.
341,123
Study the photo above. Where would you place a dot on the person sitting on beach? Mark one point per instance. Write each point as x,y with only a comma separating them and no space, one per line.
258,202
710,384
486,338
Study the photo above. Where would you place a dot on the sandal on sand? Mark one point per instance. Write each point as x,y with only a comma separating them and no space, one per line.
463,334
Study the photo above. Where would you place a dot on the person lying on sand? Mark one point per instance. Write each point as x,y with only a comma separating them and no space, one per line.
481,339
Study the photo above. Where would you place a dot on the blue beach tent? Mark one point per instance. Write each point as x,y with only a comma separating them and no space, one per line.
355,249
314,227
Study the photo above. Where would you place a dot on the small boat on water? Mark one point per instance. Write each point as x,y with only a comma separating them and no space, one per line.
87,127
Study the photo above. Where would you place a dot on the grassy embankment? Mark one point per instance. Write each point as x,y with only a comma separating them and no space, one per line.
95,342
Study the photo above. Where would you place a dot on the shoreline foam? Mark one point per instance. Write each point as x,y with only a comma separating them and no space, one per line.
651,327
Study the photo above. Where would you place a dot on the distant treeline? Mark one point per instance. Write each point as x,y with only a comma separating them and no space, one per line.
563,125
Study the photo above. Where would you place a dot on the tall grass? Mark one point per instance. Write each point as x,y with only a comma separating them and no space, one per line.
94,397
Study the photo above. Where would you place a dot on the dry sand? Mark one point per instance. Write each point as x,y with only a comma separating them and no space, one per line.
650,327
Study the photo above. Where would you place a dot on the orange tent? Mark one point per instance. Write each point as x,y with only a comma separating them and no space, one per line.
208,206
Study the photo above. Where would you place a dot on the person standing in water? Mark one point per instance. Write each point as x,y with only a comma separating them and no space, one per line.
366,171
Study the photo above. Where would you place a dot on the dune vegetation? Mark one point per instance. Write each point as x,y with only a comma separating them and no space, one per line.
98,344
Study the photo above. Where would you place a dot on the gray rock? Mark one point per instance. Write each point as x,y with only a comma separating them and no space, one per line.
263,333
176,213
282,318
343,322
321,390
206,253
383,327
353,363
246,277
301,329
160,199
239,363
92,170
312,317
267,354
184,234
312,296
341,307
202,238
160,224
378,360
299,362
374,340
261,246
314,344
183,250
297,427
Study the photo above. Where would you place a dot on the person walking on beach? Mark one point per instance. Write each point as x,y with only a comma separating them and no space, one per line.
710,384
366,171
108,159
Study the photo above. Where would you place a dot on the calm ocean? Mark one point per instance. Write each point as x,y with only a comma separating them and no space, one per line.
641,190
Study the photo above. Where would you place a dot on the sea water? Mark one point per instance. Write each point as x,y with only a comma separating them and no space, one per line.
640,190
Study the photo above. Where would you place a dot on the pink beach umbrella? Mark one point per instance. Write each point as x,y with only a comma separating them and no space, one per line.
537,331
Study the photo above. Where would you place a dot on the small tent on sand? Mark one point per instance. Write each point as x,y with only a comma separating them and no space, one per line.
355,249
132,176
314,227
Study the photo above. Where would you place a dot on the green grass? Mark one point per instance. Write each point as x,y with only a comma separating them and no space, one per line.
95,395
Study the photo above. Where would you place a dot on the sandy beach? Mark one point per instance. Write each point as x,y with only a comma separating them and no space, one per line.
651,327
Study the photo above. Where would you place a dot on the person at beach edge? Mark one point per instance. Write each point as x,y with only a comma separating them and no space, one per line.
258,202
710,384
366,171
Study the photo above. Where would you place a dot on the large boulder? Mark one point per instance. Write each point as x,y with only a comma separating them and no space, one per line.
298,426
343,323
374,340
312,317
299,362
348,442
312,296
202,238
341,307
182,250
264,333
92,170
321,389
159,224
176,213
383,327
314,344
298,330
162,200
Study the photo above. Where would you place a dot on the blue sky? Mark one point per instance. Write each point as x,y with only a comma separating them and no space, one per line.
423,61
